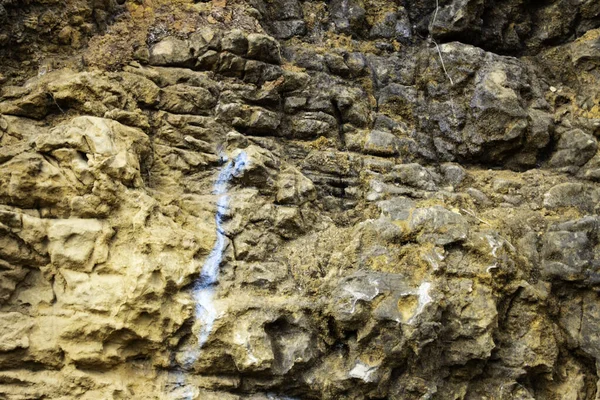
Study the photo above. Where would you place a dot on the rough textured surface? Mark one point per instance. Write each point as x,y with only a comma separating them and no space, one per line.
417,215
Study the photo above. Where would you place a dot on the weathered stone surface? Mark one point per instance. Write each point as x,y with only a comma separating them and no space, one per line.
348,16
171,52
381,143
350,199
184,99
15,331
574,148
284,18
235,42
264,48
458,17
438,225
577,195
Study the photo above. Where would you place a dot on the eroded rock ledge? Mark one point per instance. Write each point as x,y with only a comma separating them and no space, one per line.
418,216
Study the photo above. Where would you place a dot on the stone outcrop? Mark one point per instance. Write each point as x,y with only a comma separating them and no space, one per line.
415,215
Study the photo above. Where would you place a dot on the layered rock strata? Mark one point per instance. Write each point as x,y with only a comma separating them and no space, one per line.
310,200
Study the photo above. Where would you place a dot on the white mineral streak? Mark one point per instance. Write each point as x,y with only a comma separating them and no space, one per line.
242,338
491,267
494,243
363,372
367,294
434,257
204,287
203,292
423,300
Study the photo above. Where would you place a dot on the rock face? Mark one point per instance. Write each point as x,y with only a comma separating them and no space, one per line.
353,199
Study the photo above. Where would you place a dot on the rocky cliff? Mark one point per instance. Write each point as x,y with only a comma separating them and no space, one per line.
284,199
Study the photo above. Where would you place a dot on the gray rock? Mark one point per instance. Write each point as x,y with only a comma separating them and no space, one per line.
565,255
385,123
438,225
541,127
249,118
591,170
288,29
263,121
263,48
398,208
458,17
292,104
392,69
349,16
398,301
230,64
454,174
415,175
587,224
294,81
492,123
331,283
385,28
311,125
381,143
285,10
207,61
258,72
479,197
305,58
392,25
357,63
403,25
236,42
577,195
570,253
574,149
337,65
498,110
590,318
